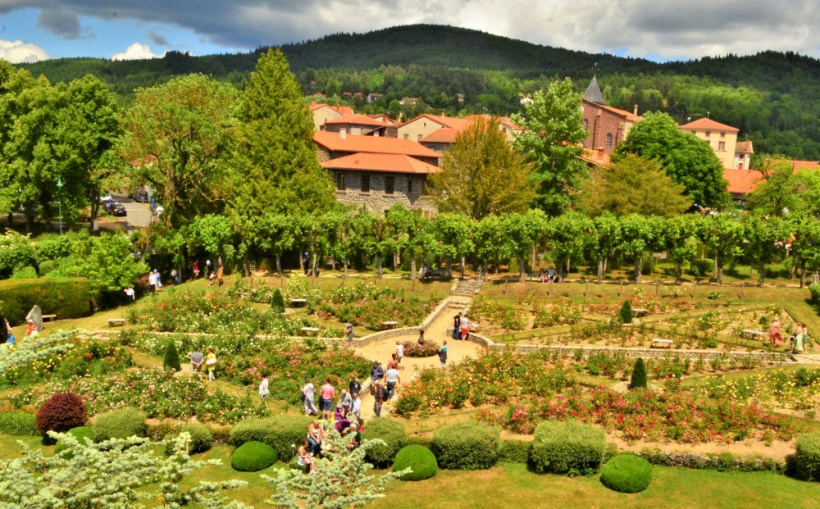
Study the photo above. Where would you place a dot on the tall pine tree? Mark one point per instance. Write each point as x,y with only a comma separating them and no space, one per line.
276,169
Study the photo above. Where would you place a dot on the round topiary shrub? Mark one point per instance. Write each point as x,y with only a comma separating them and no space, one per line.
171,359
202,439
567,447
394,436
414,349
80,433
807,458
638,380
466,446
253,456
119,423
420,459
60,413
626,473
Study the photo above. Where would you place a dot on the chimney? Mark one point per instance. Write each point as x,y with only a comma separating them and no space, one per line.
635,110
343,133
601,154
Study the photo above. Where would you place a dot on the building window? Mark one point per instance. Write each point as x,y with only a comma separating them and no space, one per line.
740,165
708,133
721,146
365,183
389,185
340,182
409,186
586,124
722,134
406,136
419,137
609,140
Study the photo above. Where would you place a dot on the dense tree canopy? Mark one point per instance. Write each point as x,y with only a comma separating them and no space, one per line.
685,158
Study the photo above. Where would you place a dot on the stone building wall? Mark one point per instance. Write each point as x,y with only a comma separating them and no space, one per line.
408,190
600,122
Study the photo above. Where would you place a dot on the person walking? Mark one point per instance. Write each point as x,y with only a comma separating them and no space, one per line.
356,410
399,353
775,336
326,395
355,386
380,394
195,269
210,361
130,295
392,378
308,392
196,360
442,353
376,373
306,261
349,331
457,326
263,387
345,403
465,327
152,281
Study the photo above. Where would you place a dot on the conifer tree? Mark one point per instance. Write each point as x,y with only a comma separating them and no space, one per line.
277,302
638,380
171,359
275,163
625,314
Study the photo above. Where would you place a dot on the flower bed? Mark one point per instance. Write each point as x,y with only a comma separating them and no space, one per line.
414,349
368,305
780,388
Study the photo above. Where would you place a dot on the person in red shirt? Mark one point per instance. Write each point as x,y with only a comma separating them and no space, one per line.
326,395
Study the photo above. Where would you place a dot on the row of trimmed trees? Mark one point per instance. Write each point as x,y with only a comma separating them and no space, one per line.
455,239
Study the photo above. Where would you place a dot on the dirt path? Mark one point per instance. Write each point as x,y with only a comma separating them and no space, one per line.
457,351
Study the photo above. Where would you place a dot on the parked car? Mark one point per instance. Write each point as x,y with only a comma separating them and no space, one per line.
141,197
119,210
106,198
108,204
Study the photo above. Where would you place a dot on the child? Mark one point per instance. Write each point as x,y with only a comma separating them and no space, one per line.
263,387
31,329
305,459
212,277
357,405
442,353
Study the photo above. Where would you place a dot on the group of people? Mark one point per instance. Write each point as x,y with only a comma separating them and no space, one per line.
209,360
799,340
549,276
314,443
348,406
461,327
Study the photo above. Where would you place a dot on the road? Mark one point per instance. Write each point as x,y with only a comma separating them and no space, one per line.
138,215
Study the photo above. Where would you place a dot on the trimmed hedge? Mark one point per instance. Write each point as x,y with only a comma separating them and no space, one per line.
201,438
514,451
567,447
18,424
119,423
814,290
807,459
281,433
64,297
392,432
253,456
420,459
466,446
80,433
60,413
626,473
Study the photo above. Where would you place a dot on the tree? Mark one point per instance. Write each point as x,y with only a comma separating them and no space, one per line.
782,191
274,156
685,158
723,235
625,314
114,473
171,358
551,143
341,236
275,234
108,262
633,185
412,233
481,174
677,238
805,243
455,234
521,232
638,379
491,242
214,233
176,139
339,481
568,236
765,239
639,234
605,241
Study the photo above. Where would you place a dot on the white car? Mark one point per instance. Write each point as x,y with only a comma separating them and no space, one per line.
107,197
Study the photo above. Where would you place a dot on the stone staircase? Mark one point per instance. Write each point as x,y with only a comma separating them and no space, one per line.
466,287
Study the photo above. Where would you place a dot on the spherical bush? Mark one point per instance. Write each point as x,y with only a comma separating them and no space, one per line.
119,423
202,439
60,413
253,456
626,473
420,459
80,433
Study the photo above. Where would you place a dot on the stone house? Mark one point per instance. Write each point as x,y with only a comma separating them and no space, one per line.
377,172
607,126
322,113
439,132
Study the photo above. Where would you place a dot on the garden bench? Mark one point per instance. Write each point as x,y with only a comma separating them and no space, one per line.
298,302
668,343
640,311
48,318
116,321
310,331
754,334
390,324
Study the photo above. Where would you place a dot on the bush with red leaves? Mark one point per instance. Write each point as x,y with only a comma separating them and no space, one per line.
61,412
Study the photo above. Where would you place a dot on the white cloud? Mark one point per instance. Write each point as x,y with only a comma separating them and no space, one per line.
136,51
19,52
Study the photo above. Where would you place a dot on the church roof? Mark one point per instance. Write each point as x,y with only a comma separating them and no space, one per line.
593,93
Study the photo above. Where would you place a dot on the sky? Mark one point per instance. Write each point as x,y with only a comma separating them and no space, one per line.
660,30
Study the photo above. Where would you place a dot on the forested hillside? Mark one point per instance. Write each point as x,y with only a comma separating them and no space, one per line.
774,98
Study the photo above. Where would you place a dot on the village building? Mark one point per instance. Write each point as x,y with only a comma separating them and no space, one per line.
607,126
722,139
377,172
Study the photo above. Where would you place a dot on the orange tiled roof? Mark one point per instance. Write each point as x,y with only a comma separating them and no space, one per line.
451,122
342,110
626,114
742,181
443,135
745,147
390,163
804,165
371,144
355,118
595,157
707,124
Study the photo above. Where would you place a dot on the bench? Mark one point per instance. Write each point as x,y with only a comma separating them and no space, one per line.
48,318
754,334
658,342
116,321
640,311
298,302
390,324
310,331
